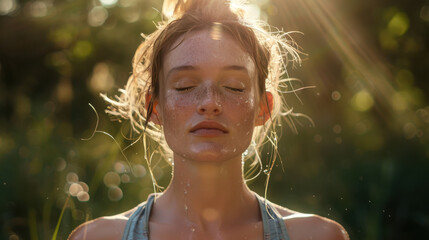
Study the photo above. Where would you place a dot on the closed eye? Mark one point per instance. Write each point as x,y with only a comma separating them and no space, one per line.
183,89
235,89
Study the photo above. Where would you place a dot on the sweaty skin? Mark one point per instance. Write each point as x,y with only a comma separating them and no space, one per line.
205,83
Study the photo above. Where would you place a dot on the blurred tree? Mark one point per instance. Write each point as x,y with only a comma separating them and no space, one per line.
364,164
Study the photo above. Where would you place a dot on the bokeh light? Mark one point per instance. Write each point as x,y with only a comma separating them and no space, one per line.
38,9
74,189
115,194
7,6
337,128
139,170
336,96
121,167
101,79
108,3
125,178
84,186
72,177
399,24
97,16
362,101
112,179
361,164
83,196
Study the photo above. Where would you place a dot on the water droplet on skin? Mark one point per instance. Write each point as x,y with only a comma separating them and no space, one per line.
235,149
188,185
185,192
192,229
186,208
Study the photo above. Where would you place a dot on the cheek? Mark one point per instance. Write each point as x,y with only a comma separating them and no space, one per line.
244,110
176,110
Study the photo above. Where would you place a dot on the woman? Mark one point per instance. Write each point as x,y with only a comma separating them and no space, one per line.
206,83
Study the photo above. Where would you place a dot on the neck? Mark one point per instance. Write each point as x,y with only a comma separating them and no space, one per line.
207,194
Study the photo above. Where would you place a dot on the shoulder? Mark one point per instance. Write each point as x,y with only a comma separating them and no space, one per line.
106,228
311,226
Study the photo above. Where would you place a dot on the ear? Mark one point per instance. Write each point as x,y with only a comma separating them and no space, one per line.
265,109
155,116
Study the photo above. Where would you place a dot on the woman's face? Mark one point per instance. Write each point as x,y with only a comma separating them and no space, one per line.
208,101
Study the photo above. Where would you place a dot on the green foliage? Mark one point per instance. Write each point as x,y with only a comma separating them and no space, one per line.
364,165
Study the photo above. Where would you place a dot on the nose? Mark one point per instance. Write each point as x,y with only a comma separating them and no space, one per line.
210,103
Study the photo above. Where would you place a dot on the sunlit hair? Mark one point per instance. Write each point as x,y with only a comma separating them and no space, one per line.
271,51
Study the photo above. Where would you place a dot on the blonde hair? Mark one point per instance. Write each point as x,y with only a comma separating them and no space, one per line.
271,51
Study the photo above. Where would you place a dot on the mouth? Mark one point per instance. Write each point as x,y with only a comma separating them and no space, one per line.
208,129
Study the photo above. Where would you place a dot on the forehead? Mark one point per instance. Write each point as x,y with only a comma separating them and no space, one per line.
199,49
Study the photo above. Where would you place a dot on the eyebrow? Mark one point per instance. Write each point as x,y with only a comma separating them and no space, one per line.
181,68
193,68
236,68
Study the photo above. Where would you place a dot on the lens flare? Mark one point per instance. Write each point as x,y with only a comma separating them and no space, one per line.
360,58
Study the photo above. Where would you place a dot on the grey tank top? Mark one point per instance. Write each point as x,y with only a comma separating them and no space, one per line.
137,227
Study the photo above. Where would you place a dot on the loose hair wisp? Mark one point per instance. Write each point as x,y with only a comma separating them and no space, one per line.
271,51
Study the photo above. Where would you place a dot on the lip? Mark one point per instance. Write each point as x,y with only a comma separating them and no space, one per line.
208,128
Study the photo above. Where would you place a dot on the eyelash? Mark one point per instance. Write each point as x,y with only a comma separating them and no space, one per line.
184,89
189,88
235,89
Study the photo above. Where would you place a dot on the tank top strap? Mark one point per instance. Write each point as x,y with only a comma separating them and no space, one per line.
273,223
137,227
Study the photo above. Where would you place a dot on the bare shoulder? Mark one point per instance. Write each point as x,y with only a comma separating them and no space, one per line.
311,226
106,228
